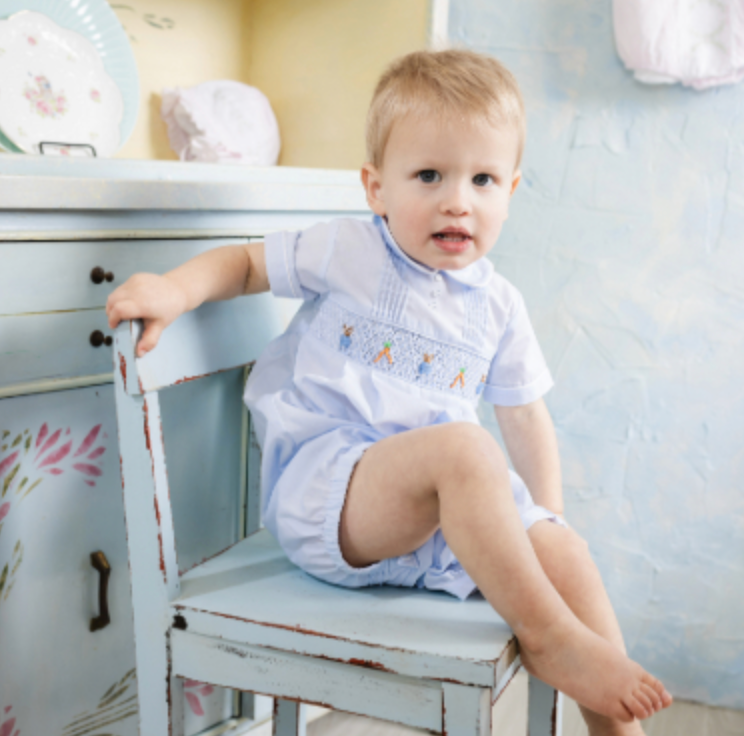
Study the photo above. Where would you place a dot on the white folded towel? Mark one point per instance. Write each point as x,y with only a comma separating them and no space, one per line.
699,43
221,122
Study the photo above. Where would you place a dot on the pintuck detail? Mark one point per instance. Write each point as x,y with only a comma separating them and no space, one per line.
392,295
398,351
476,316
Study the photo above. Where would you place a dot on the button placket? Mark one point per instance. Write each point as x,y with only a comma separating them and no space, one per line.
436,290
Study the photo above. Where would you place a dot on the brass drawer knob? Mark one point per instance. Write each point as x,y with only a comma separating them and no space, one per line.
98,275
97,338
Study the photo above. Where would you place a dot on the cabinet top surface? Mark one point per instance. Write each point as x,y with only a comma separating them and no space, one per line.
38,183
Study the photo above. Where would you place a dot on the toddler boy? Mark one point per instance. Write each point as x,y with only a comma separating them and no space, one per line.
375,469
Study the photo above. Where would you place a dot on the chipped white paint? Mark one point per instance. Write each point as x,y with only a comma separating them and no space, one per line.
289,718
466,711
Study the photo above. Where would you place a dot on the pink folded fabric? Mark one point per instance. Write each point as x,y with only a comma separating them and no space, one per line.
221,122
699,43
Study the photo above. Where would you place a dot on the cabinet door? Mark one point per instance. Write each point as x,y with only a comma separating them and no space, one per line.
61,500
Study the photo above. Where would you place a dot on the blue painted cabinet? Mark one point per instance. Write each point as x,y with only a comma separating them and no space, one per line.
59,465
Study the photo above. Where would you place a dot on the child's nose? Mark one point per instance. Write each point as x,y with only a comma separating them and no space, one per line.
456,200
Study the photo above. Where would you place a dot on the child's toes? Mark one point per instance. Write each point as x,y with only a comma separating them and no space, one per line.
653,696
643,705
666,698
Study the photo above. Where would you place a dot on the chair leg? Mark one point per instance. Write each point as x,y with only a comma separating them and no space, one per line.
466,710
289,718
545,709
161,703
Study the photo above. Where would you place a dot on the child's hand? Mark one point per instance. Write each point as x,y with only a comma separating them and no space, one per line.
155,299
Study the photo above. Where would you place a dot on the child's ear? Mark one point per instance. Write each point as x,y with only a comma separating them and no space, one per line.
515,181
372,182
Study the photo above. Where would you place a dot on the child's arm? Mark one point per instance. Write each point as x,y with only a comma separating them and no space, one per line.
533,448
222,273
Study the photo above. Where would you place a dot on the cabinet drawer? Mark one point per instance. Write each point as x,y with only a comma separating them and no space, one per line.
50,276
57,345
37,347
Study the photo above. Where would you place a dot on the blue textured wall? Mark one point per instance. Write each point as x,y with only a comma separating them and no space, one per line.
627,240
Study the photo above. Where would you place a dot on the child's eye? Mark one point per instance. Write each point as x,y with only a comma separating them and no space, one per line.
429,176
482,180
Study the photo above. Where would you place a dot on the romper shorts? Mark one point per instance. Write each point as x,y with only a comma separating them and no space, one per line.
304,514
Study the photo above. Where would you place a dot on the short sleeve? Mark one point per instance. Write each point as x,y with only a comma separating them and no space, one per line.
297,262
518,373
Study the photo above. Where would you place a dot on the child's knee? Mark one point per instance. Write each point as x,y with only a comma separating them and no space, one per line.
469,450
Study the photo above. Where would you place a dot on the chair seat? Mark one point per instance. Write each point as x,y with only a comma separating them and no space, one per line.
252,594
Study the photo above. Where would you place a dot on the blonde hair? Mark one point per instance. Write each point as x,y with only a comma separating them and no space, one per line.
442,84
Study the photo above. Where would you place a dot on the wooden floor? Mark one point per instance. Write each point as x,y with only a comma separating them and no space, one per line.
681,719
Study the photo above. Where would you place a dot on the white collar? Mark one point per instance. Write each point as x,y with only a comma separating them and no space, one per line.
476,275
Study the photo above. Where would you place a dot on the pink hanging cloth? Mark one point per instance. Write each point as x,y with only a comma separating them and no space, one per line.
699,43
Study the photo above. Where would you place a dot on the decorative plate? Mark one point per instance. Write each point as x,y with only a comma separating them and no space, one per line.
94,20
54,88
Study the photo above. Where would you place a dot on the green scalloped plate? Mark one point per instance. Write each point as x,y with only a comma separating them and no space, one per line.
94,20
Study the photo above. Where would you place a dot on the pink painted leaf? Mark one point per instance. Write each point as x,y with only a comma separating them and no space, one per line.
52,440
88,441
5,464
91,482
191,683
96,453
206,690
42,433
55,471
193,702
7,728
87,469
67,432
4,510
57,455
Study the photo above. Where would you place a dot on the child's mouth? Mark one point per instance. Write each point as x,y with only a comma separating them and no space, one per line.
453,240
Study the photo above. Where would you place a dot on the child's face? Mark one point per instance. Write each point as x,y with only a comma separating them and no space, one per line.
444,187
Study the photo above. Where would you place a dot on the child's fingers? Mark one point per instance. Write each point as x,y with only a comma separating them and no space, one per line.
150,337
122,309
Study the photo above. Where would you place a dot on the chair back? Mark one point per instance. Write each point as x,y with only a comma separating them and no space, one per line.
216,337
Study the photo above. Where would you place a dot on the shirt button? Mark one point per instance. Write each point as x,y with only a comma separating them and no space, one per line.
438,277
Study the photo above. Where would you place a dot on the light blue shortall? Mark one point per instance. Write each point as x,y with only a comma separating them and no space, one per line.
381,345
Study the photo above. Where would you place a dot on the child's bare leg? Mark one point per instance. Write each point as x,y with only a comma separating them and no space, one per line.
455,475
565,557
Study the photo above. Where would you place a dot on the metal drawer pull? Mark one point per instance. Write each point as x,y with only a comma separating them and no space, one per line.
97,338
98,275
99,561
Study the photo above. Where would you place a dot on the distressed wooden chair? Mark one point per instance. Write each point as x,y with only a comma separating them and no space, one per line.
250,620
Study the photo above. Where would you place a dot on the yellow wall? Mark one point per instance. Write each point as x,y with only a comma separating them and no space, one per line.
177,43
316,60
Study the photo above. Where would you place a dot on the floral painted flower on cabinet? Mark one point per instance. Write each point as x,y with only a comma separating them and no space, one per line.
26,460
7,725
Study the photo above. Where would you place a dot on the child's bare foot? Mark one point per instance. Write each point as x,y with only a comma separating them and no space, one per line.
592,671
598,725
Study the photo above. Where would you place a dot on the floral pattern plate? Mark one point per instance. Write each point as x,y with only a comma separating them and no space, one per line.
54,87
